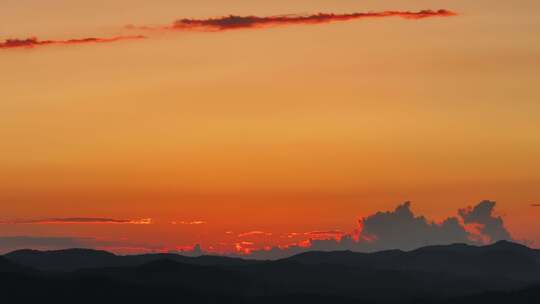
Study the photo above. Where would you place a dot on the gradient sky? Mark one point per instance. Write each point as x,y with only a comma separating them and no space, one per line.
287,129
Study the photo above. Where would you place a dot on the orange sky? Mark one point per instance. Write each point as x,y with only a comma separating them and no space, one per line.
288,129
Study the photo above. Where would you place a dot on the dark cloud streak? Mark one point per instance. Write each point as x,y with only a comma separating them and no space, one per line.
78,220
35,42
229,23
233,22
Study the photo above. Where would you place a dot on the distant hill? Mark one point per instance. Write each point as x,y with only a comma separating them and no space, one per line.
435,274
63,260
75,259
502,259
529,295
7,266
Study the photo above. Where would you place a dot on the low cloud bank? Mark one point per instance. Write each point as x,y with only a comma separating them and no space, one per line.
402,229
396,229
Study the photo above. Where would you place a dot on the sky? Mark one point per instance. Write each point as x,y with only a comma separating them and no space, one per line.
138,126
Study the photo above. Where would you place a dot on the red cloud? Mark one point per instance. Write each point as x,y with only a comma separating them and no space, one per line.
35,42
232,22
252,233
326,234
242,22
197,222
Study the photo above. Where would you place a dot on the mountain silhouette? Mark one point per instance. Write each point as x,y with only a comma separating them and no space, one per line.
7,266
530,295
433,274
69,259
75,259
502,259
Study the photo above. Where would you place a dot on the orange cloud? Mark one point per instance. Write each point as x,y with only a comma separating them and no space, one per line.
329,232
232,22
188,222
317,234
291,235
35,42
326,234
244,247
252,233
79,220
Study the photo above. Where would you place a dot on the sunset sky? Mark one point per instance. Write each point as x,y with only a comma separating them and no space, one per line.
266,135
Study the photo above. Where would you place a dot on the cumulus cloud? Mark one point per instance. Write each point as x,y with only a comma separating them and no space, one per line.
79,220
402,229
489,225
233,22
35,42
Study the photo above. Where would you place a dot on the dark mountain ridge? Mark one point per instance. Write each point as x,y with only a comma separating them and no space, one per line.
75,259
434,274
7,266
502,259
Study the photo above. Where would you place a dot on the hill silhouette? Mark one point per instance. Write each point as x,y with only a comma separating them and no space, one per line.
436,274
7,266
503,259
75,259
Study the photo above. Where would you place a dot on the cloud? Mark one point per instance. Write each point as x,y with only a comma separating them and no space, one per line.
245,247
402,229
188,222
233,22
325,233
254,233
489,225
229,23
399,228
35,42
535,205
79,220
291,235
316,234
